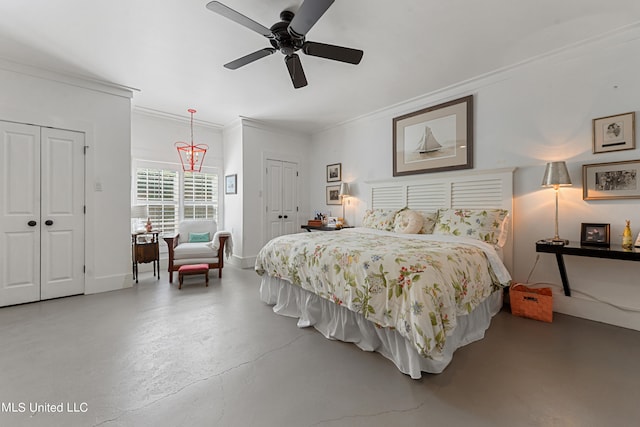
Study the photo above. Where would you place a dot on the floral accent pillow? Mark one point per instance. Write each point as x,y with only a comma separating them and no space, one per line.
407,222
482,224
379,219
428,222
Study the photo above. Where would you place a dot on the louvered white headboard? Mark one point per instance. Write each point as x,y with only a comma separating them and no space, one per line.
490,189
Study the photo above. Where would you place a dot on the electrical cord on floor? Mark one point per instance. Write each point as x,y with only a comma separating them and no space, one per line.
619,307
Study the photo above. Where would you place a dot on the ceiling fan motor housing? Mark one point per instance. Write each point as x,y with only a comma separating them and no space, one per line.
284,39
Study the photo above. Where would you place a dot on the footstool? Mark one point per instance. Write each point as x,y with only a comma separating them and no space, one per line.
186,270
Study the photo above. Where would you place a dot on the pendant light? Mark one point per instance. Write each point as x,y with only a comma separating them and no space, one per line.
191,155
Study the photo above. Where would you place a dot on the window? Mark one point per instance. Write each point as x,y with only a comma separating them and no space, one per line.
200,195
160,187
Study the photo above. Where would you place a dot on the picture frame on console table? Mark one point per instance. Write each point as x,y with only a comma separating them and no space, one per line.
434,139
594,234
611,181
614,133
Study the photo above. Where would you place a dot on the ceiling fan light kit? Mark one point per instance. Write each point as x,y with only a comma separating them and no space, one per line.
289,36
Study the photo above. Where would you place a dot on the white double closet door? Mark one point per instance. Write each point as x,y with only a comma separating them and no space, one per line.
282,191
41,213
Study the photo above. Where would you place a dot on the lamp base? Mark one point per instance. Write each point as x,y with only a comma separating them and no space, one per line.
556,241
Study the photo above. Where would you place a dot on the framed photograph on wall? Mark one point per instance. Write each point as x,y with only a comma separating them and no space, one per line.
334,172
435,139
611,181
614,133
231,184
333,194
594,234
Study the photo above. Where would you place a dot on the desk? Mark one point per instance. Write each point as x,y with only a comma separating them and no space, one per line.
614,252
145,248
323,227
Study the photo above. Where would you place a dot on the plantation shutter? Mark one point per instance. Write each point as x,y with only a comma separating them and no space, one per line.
200,195
158,189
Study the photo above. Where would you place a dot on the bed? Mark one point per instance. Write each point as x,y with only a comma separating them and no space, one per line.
422,277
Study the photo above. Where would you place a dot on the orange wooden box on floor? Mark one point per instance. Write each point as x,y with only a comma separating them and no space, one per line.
187,270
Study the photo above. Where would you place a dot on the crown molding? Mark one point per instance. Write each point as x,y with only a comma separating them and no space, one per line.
175,117
70,79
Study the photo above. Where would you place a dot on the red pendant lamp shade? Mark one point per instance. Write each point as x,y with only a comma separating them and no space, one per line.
191,155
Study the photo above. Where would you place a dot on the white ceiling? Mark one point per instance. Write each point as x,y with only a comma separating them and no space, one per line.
172,51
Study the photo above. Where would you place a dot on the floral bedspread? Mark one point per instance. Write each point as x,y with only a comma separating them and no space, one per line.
417,284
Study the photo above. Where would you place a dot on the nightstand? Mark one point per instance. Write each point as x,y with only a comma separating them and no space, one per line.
575,249
323,228
144,249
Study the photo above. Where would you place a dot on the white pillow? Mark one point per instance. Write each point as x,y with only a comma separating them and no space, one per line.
407,222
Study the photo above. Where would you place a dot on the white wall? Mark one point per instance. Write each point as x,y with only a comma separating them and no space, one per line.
103,114
233,203
526,116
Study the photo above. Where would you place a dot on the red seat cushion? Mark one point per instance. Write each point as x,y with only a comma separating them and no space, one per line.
193,268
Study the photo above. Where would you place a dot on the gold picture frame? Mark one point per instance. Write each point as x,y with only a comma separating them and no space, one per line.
614,133
434,139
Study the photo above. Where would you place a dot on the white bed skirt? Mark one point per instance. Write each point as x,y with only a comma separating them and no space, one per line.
336,322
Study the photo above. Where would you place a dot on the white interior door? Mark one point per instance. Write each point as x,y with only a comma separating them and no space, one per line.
19,213
62,213
282,209
41,212
289,201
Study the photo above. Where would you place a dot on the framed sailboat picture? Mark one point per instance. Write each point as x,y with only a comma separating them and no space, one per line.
434,139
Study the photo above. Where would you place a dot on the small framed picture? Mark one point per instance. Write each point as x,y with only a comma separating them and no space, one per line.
334,172
231,184
333,194
614,133
332,221
594,234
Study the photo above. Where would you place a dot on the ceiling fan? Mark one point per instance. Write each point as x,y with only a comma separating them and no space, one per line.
288,36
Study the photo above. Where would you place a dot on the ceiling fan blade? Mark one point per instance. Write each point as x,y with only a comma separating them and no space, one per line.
307,15
240,62
227,12
329,51
295,71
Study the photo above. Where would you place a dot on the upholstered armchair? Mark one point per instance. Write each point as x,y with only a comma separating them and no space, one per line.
197,242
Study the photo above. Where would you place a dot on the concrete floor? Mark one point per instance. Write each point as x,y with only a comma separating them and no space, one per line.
156,356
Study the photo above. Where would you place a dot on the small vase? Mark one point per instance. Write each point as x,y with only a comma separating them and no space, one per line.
148,226
627,239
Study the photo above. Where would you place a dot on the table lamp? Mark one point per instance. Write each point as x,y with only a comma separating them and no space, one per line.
344,192
556,175
138,214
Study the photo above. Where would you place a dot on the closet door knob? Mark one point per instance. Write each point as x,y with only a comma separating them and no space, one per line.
286,216
279,216
48,222
32,223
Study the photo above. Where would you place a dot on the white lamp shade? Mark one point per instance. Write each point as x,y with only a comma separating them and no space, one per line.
556,174
139,211
344,190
